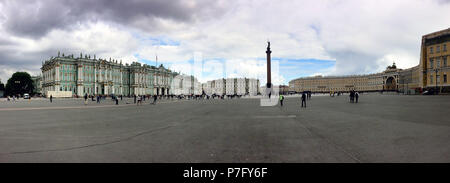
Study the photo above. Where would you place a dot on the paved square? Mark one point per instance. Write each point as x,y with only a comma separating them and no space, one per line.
381,128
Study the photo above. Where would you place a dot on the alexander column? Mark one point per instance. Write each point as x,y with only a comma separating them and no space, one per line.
269,77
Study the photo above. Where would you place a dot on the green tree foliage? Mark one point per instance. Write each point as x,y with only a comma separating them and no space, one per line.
19,83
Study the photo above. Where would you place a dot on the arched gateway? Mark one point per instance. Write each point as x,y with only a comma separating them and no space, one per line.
390,84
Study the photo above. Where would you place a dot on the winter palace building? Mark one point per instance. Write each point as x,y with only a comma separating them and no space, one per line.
86,75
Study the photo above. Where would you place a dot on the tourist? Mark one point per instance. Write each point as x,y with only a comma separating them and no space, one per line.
304,99
85,99
139,99
154,99
281,100
356,96
51,98
352,96
98,99
134,98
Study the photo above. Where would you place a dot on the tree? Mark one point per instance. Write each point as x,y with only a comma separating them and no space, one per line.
19,83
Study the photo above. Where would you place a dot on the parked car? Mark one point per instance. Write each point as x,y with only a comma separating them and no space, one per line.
427,92
26,96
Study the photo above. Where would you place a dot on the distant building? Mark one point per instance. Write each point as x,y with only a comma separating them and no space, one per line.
37,83
387,80
232,86
284,89
186,85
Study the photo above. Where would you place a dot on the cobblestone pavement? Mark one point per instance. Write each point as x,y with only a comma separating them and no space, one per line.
380,128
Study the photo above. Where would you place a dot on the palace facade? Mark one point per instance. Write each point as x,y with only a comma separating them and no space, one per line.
388,80
232,86
430,74
94,76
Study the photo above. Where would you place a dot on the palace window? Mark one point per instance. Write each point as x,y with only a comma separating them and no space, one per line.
445,47
438,63
445,78
438,79
431,49
431,78
445,62
431,63
438,49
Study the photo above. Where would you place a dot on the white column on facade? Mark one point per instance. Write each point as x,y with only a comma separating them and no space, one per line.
121,82
95,79
58,77
57,73
109,74
145,82
80,79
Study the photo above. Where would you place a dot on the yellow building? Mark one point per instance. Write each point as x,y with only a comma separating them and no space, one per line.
385,81
434,68
431,73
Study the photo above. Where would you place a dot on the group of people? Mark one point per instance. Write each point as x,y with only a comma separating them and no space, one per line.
12,98
139,99
354,95
305,96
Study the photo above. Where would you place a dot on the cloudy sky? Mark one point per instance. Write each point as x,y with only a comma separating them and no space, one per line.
214,39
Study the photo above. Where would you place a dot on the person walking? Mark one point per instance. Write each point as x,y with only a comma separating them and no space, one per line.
356,96
351,96
98,99
134,98
281,100
154,99
303,99
51,98
85,99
